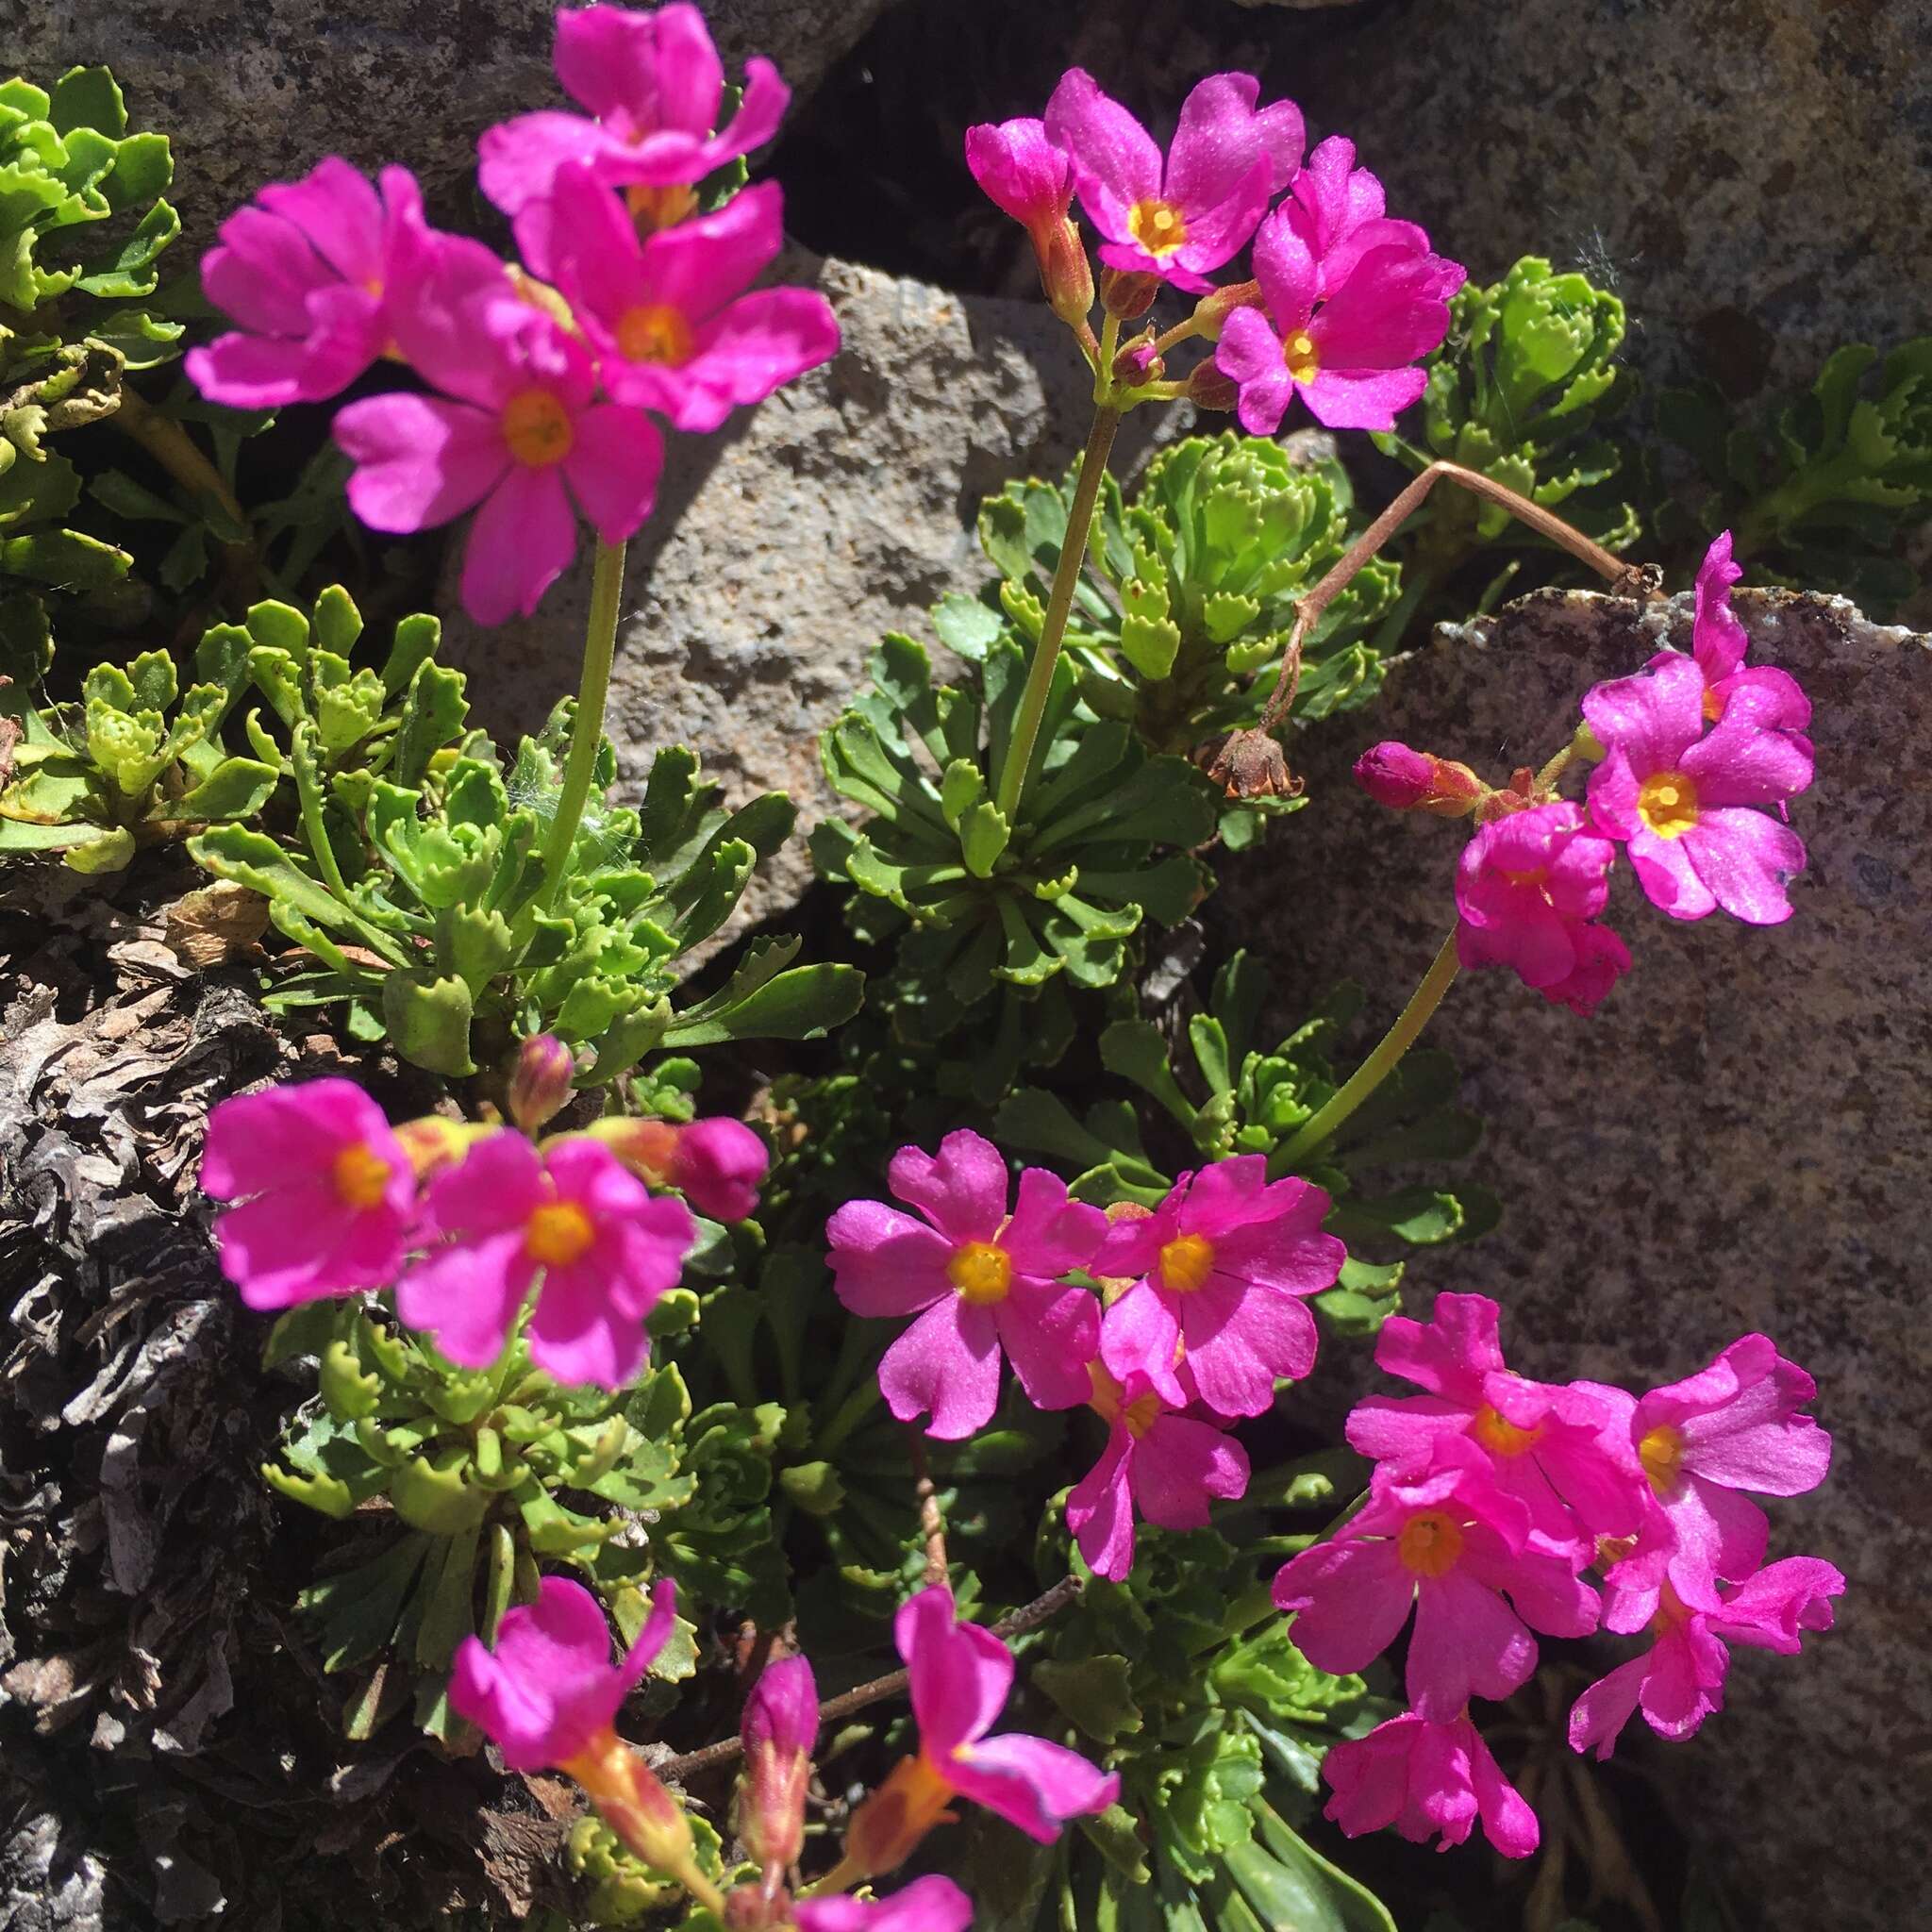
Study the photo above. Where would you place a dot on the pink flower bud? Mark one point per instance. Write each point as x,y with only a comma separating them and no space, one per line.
1022,173
781,1726
1406,780
539,1087
719,1163
1138,364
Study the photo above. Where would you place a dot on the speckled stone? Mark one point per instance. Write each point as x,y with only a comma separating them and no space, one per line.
1741,1139
255,91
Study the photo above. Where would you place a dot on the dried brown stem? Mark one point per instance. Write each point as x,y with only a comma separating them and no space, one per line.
1028,1617
932,1526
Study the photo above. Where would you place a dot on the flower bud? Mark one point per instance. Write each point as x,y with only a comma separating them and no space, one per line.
1404,780
1127,294
781,1726
540,1086
1065,273
647,1147
1138,364
1212,311
719,1163
1208,389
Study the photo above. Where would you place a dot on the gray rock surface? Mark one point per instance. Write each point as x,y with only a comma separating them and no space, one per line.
783,549
255,91
1741,1139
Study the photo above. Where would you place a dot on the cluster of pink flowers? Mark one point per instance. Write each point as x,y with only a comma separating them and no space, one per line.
547,1692
1343,302
1491,1496
465,1221
1205,1314
542,384
1689,750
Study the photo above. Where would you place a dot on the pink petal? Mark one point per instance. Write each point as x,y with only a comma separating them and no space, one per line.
884,1262
1178,1465
1140,1336
1718,640
1116,162
1214,146
1769,1610
1020,169
1739,763
1467,1642
1240,1343
522,541
1349,1601
467,1294
1392,310
1685,1682
1100,1509
949,1363
961,1189
1034,1784
615,461
959,1673
1049,1235
757,345
699,266
1403,1430
518,159
1340,399
1050,1334
1451,1353
658,69
1653,718
263,272
1509,1820
1218,233
1598,1717
1669,879
337,209
1744,859
419,460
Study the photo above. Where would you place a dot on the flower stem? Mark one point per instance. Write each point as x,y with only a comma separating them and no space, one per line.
181,456
1381,1062
1059,603
586,724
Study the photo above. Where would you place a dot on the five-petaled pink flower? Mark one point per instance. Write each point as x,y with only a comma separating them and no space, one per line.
606,1249
1451,1544
1181,218
1223,1262
978,1282
333,1192
1683,797
931,1903
959,1678
1702,1443
547,1692
1338,210
1760,693
1158,1462
1679,1680
516,430
655,85
308,270
1557,1449
1424,1776
1349,347
1527,886
669,317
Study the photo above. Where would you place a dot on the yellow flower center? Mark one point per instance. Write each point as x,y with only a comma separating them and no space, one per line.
1501,1436
655,333
660,208
537,428
1186,1263
558,1233
360,1176
1430,1543
1137,1417
982,1273
1157,225
1667,803
1662,1453
1303,358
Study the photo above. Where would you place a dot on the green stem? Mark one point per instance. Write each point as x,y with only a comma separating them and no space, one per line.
1059,604
1381,1063
586,723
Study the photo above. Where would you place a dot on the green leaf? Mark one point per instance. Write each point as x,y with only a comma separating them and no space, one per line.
1092,1693
428,1021
797,1005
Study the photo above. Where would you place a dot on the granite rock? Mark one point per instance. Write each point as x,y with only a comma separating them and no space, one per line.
255,91
1741,1139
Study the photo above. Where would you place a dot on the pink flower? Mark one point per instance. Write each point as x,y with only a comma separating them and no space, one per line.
1350,356
931,1903
669,317
718,1165
1183,217
979,1281
1338,212
961,1675
1679,1681
1224,1262
654,84
1423,1777
1407,780
1681,797
1555,1450
1452,1545
781,1726
1527,888
1023,172
548,1690
605,1248
515,430
1762,695
1701,1443
307,271
333,1192
1158,1462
